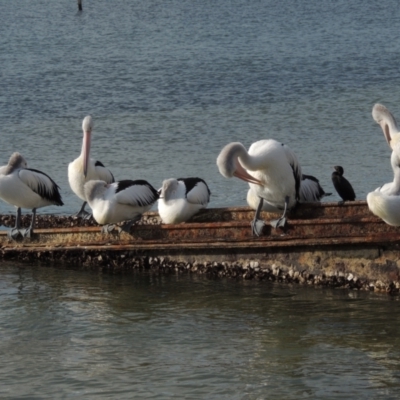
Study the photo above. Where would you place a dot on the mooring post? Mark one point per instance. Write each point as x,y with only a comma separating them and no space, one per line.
80,5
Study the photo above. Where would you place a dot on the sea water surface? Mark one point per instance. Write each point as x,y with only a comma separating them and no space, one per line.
168,84
79,334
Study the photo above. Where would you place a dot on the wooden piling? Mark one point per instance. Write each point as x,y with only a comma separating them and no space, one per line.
80,5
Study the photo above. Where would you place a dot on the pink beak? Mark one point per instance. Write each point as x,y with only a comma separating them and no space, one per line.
242,174
386,132
86,150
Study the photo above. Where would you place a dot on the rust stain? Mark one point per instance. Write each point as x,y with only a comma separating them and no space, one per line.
325,240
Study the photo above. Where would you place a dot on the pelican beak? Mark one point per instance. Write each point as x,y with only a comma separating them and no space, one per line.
242,174
386,131
86,150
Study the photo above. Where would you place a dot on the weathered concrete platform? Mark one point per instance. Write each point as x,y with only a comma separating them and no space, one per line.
323,244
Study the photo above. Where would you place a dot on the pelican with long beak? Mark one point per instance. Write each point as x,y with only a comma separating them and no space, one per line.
84,168
387,122
384,202
25,187
272,171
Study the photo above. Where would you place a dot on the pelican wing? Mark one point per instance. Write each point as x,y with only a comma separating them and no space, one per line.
41,184
311,190
197,191
103,173
294,163
137,193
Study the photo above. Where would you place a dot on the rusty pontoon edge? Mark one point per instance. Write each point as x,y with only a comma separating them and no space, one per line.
323,244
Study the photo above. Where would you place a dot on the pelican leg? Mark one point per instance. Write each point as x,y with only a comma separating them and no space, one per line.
257,224
281,222
16,231
82,213
29,231
127,225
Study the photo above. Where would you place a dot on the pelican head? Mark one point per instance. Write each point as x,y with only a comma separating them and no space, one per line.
386,120
229,164
17,161
87,126
169,189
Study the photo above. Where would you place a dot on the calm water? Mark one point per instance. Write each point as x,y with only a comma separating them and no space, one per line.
169,83
74,334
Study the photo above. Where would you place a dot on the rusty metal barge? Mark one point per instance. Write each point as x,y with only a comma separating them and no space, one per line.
325,244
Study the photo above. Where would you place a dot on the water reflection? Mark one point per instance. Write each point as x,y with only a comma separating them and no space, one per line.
86,333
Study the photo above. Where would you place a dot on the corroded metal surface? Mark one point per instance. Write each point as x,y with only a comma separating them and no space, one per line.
327,241
229,228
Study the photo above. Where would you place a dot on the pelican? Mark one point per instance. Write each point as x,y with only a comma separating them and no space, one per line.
122,201
384,202
84,168
342,185
386,120
384,206
272,171
182,198
24,187
310,191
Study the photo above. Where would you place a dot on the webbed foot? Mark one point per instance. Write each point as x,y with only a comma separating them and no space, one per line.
27,233
257,227
278,223
14,233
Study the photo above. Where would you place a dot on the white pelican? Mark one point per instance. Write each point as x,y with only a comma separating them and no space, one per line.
384,202
182,198
84,168
24,187
120,201
310,191
272,171
386,120
342,185
384,206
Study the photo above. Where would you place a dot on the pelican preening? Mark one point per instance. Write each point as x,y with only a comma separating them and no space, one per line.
270,167
84,168
384,202
272,171
342,185
182,198
24,187
122,201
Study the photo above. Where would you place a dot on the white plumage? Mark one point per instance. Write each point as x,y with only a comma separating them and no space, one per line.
310,191
84,168
273,173
124,200
24,187
386,207
384,202
182,198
